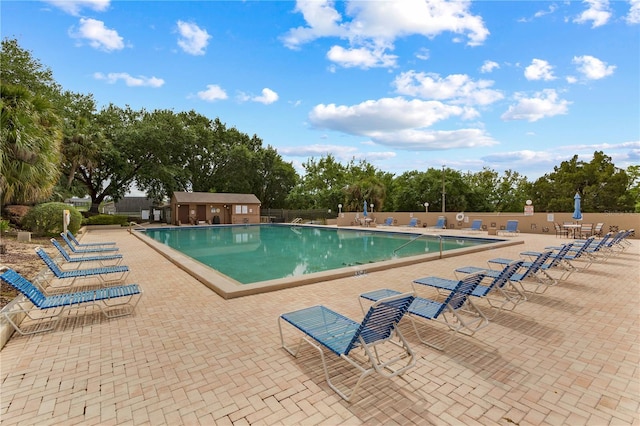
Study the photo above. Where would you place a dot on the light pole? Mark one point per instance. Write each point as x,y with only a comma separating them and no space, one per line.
371,208
426,207
339,208
443,191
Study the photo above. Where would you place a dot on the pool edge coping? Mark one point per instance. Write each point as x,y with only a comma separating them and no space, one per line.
228,288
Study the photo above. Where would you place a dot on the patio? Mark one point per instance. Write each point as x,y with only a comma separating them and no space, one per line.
187,356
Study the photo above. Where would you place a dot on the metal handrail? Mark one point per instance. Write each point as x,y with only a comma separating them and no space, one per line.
135,226
421,235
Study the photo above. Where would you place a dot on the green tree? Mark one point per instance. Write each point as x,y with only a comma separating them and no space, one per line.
30,127
365,183
601,185
321,186
29,146
275,178
130,141
483,184
18,67
81,140
634,186
511,192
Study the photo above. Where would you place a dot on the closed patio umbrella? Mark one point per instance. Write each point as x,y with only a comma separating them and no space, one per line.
577,214
364,213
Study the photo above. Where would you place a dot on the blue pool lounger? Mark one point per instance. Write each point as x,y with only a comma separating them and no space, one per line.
92,250
78,261
88,245
112,301
356,342
457,311
105,274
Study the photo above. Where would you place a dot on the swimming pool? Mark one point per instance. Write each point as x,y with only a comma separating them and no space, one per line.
244,259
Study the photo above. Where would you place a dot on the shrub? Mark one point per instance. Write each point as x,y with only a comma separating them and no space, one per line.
46,219
106,219
16,213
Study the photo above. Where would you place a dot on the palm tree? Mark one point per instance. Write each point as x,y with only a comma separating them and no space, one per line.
29,146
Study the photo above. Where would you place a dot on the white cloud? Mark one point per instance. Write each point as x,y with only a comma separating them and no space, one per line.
268,97
539,14
73,7
431,140
524,156
552,8
375,25
489,66
400,123
597,12
99,36
543,104
633,17
213,93
361,57
313,150
323,21
387,114
140,81
459,88
193,40
593,68
423,54
539,70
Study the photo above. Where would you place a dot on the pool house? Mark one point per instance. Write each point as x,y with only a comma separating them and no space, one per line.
198,208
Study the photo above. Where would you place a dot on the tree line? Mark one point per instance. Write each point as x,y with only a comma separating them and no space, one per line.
56,144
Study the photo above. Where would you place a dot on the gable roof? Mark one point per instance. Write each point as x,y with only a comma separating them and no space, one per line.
215,197
133,204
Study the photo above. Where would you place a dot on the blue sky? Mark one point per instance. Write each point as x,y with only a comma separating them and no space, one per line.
403,84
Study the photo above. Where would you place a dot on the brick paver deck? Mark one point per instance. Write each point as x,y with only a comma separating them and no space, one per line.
569,356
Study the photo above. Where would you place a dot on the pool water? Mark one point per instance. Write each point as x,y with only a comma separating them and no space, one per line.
254,253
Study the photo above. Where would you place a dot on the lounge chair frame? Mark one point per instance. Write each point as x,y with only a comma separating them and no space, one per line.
476,226
510,229
106,275
44,312
88,245
440,225
457,312
77,262
87,251
324,328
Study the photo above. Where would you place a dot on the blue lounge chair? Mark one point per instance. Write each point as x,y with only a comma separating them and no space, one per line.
440,224
597,248
511,229
112,301
77,250
619,242
388,222
537,275
457,311
558,260
342,336
106,274
88,245
104,260
527,273
413,222
578,253
496,292
476,226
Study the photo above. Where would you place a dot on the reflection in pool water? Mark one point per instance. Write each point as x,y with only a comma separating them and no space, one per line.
254,253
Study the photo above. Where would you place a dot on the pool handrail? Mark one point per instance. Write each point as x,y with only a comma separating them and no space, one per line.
421,235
